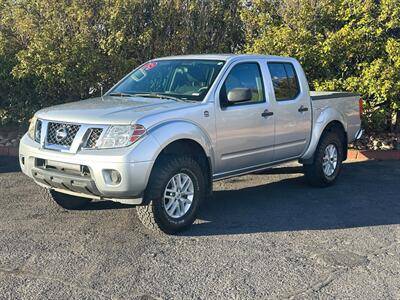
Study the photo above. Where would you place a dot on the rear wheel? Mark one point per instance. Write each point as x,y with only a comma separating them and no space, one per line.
64,200
327,161
174,193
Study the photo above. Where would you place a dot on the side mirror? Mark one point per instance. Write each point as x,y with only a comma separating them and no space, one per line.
239,95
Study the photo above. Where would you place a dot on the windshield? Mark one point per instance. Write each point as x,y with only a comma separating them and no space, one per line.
178,79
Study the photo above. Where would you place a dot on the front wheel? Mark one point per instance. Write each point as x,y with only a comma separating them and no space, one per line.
327,162
174,193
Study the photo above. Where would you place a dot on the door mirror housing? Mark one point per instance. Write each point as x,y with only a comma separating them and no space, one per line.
239,95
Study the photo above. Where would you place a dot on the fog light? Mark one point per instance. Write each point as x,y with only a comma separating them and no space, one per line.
115,177
112,177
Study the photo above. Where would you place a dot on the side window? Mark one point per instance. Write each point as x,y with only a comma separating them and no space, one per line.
284,80
243,75
293,80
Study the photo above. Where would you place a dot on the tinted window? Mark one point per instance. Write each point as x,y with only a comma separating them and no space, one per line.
244,75
284,80
293,81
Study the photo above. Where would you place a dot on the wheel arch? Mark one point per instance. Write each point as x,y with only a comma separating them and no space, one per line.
186,146
190,147
328,121
336,126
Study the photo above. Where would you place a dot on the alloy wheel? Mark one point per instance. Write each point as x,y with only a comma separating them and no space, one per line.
330,160
178,195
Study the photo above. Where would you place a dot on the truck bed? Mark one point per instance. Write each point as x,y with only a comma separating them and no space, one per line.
345,103
330,95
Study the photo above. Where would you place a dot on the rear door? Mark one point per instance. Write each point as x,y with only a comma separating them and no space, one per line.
291,109
245,131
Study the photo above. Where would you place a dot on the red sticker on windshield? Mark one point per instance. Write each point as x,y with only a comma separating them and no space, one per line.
150,65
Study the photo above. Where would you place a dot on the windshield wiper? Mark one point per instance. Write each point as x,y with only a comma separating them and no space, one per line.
119,94
154,95
161,96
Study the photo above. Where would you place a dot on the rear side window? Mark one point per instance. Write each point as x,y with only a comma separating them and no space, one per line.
284,80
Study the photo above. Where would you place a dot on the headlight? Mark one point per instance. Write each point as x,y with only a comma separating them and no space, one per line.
34,131
35,128
32,125
121,136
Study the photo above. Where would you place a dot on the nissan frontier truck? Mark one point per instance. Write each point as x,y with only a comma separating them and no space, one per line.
161,136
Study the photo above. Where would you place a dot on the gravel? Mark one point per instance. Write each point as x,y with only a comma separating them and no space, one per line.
262,236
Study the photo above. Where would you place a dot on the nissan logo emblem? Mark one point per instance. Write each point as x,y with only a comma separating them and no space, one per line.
61,133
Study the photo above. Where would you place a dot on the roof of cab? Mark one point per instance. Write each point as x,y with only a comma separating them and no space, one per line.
224,57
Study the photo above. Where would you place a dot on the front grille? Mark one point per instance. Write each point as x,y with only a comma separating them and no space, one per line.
61,133
93,137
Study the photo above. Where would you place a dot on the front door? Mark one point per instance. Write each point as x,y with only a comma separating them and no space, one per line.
245,130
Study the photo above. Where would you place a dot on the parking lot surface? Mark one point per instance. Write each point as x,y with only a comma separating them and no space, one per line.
262,236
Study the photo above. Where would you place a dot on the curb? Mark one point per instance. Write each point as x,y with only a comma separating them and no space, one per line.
363,155
354,155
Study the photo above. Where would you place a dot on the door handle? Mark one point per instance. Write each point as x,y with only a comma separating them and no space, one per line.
303,109
266,113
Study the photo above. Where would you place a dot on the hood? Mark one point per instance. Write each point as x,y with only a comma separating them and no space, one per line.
109,110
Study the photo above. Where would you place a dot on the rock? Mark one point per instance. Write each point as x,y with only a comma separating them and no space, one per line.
378,141
376,144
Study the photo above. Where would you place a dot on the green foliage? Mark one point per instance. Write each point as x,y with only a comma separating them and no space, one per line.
55,51
348,45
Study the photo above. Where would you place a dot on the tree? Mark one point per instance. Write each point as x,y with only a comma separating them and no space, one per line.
55,51
351,45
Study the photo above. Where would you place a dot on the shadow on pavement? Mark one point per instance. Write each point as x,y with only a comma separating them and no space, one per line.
366,194
105,204
281,170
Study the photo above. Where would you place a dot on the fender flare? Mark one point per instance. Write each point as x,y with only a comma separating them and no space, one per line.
326,117
168,132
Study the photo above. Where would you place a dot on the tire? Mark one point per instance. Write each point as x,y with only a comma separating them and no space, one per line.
157,215
316,173
64,200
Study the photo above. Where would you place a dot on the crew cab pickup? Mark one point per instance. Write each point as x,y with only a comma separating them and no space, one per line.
166,131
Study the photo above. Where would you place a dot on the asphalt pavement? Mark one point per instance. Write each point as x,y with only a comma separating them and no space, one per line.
262,236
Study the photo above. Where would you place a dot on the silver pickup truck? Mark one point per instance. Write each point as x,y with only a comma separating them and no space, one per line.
166,131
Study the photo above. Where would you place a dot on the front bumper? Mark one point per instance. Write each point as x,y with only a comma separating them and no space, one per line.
84,173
